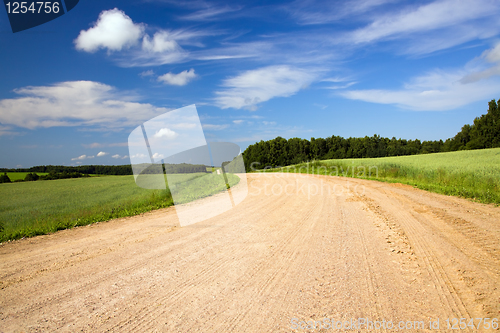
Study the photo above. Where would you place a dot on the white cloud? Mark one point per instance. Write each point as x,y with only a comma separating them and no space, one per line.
432,26
166,133
147,73
161,42
74,103
212,127
101,145
442,90
238,121
7,130
336,79
342,86
180,79
136,156
210,13
101,153
114,31
157,156
319,12
117,156
269,123
82,157
434,91
492,56
252,87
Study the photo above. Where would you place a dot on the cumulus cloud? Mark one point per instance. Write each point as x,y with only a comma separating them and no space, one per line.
82,157
114,30
180,79
252,87
136,156
101,153
161,42
117,156
74,103
166,133
157,156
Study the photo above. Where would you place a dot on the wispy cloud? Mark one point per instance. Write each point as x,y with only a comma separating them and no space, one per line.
310,12
212,127
344,86
102,145
210,13
7,131
440,90
74,103
451,23
252,87
491,57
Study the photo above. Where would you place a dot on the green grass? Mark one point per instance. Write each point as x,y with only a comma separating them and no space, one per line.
201,186
471,174
21,175
35,208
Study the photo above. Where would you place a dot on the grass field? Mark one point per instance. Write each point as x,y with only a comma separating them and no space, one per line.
35,208
471,174
21,175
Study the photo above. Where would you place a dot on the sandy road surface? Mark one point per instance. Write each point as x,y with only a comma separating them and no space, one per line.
378,251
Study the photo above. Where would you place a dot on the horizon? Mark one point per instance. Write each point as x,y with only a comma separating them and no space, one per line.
75,87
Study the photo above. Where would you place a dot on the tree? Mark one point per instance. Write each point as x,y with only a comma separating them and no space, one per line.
31,177
4,178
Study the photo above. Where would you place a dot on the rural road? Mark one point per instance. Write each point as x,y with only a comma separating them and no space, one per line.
384,252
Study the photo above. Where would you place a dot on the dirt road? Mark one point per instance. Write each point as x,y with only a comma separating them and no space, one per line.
297,249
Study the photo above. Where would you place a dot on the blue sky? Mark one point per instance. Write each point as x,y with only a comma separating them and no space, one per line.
73,89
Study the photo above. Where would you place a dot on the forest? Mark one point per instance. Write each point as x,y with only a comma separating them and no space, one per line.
483,133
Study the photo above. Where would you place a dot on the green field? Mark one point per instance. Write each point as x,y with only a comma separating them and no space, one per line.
21,175
40,207
470,173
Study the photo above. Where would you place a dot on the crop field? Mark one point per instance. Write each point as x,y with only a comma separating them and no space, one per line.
471,174
21,175
40,207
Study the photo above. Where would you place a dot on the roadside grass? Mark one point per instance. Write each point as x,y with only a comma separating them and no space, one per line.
35,208
473,174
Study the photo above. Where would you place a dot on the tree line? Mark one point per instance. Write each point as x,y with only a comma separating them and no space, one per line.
114,170
483,133
64,172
